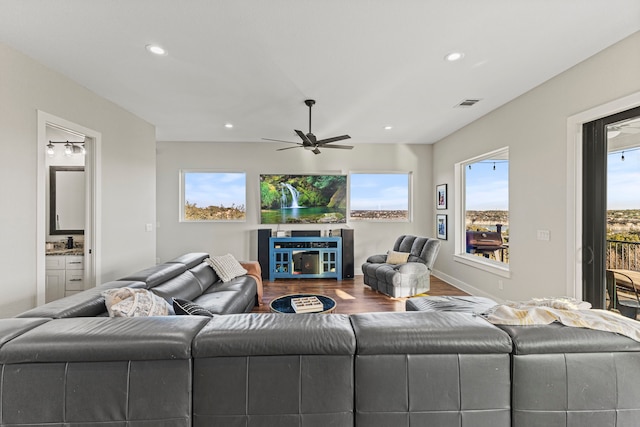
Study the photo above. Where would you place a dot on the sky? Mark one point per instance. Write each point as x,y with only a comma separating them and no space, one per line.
487,189
623,180
379,191
214,189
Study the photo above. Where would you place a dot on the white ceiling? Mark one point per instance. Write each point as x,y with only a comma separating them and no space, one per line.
367,63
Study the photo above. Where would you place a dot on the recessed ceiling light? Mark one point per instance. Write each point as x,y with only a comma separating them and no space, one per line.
388,127
155,49
454,56
228,125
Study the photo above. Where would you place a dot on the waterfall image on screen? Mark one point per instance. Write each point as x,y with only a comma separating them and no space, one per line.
303,199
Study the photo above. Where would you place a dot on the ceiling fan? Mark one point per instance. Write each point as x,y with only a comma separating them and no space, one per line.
309,141
629,127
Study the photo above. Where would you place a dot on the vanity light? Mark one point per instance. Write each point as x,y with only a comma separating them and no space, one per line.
70,148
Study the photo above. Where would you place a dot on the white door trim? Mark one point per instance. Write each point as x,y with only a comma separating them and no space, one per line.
92,261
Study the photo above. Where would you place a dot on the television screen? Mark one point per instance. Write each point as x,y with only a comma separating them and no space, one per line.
303,199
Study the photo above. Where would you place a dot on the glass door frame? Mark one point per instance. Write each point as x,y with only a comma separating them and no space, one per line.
594,205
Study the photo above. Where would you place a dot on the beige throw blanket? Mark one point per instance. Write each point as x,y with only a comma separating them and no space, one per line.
536,313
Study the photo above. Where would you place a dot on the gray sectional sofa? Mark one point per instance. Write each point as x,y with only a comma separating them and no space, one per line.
69,368
187,277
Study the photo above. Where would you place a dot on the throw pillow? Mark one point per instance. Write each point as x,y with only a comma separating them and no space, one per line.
128,302
226,266
394,257
189,308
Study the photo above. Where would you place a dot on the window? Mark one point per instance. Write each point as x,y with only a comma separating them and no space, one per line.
212,196
380,196
482,211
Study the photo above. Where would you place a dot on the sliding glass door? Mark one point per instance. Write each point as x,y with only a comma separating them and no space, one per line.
611,199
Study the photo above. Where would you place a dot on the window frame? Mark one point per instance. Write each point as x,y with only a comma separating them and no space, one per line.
460,255
182,195
409,176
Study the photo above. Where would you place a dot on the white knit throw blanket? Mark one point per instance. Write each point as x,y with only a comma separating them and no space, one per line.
544,312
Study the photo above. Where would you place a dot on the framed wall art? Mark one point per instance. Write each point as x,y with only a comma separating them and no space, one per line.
441,196
441,226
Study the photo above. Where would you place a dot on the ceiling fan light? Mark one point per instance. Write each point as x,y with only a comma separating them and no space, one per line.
454,56
156,50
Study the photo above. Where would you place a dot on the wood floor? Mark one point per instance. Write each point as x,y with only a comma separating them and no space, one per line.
351,295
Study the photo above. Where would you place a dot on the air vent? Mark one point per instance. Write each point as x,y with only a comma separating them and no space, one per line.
468,103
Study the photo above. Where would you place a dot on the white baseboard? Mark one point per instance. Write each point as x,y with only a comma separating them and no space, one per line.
465,286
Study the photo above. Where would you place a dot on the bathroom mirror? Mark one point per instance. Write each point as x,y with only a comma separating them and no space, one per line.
66,199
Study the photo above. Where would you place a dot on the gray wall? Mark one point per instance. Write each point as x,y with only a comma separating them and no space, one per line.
239,239
128,175
534,126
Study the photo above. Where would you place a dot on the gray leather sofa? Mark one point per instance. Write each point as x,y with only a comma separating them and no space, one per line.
378,369
187,277
405,279
74,367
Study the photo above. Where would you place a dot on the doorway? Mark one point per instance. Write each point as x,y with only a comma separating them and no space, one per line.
68,231
611,231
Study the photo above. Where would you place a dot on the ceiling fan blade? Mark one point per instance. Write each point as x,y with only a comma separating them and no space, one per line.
289,148
305,139
334,139
342,147
315,151
629,129
279,140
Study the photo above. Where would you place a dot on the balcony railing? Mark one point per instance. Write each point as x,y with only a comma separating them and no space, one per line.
623,255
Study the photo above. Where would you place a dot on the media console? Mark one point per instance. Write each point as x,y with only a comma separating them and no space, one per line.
305,257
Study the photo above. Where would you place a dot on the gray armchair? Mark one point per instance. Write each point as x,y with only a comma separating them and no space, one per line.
408,278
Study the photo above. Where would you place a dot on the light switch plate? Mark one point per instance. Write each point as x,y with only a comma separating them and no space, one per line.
543,235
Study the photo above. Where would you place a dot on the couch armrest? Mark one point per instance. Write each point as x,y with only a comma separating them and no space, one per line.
254,270
415,268
377,259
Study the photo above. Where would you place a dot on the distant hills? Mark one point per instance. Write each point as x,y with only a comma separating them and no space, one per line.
486,219
623,220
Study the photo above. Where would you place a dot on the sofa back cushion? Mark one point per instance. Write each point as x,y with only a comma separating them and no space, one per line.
421,249
89,303
157,274
190,260
184,286
205,274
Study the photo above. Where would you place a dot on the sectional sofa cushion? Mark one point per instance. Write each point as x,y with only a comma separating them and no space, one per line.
235,296
100,339
88,303
157,274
